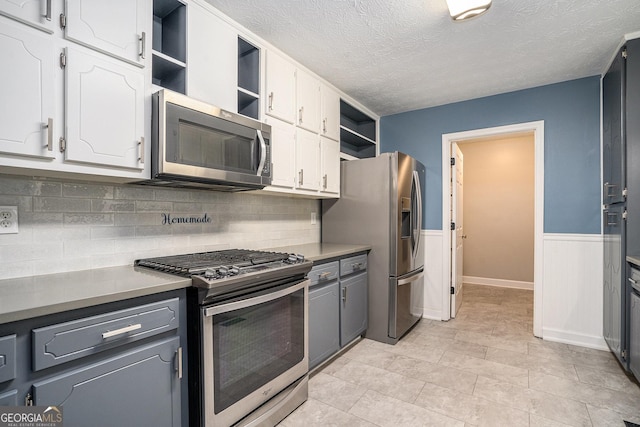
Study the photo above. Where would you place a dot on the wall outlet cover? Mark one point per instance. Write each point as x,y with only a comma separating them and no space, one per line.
8,219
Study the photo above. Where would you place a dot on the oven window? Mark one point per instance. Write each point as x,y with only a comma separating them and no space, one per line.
254,345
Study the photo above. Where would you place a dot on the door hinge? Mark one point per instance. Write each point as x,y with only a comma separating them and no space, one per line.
624,193
63,20
624,214
63,60
28,400
453,161
63,145
453,226
624,53
453,290
623,354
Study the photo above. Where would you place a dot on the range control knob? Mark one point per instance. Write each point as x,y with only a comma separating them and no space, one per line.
223,271
300,257
293,258
233,270
210,273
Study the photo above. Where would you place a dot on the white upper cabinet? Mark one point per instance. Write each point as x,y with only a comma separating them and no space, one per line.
27,116
37,13
105,111
280,88
329,165
114,27
307,160
307,101
329,113
212,56
283,150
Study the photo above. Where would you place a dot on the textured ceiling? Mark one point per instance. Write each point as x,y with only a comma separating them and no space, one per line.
401,55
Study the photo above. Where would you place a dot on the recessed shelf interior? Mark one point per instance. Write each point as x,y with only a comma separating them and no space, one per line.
169,44
357,132
248,79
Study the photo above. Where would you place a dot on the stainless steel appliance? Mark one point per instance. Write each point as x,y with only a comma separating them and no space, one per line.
248,336
197,145
381,205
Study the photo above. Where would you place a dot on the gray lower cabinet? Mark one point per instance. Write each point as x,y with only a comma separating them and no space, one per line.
353,307
9,398
337,306
137,388
634,342
324,322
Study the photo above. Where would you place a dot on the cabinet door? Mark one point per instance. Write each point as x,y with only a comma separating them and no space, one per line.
27,88
105,111
281,86
114,27
283,149
307,101
330,165
37,13
307,160
324,324
212,56
613,161
353,307
138,388
330,113
634,342
614,298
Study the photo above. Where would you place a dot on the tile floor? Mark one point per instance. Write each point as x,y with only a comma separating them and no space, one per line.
483,368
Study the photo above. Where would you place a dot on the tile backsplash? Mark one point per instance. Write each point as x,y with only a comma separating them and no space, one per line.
72,225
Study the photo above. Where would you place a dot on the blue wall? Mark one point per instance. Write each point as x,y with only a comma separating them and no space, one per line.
571,114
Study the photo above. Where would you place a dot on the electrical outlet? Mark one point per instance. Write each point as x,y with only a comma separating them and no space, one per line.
8,219
313,218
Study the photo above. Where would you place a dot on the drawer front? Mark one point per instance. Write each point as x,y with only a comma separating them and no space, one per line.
634,341
353,264
56,344
7,358
323,273
10,398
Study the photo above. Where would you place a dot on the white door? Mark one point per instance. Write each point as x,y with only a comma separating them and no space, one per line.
283,150
457,236
308,101
105,111
114,27
281,87
330,165
307,160
37,13
28,124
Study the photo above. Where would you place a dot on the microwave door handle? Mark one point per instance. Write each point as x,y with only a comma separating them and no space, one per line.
263,152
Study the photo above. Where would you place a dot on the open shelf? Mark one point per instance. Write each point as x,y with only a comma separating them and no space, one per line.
248,79
357,132
169,44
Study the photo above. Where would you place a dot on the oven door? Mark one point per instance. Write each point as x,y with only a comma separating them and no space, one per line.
253,348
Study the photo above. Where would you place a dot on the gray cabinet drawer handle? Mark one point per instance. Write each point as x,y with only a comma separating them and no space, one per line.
635,282
121,331
324,275
356,265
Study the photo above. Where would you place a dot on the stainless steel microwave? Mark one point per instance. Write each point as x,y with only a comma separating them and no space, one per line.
197,145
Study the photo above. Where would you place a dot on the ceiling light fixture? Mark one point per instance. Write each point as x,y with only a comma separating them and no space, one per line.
461,10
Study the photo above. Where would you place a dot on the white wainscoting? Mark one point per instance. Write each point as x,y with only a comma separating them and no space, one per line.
571,286
501,283
572,289
433,280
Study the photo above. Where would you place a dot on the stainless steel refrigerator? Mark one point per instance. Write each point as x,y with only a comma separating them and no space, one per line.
381,205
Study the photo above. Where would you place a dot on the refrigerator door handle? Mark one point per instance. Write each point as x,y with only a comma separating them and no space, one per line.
411,279
418,226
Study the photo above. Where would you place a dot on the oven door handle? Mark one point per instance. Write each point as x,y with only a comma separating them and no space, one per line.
237,305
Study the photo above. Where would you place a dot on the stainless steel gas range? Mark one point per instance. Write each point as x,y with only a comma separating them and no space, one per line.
248,334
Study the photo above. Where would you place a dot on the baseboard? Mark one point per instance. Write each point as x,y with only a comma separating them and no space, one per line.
432,314
487,281
581,340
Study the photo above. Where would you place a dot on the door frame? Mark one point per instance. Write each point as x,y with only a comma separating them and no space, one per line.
537,128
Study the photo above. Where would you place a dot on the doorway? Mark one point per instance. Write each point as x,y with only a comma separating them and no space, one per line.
451,241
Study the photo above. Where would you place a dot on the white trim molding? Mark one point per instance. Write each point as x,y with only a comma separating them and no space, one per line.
537,128
573,298
501,283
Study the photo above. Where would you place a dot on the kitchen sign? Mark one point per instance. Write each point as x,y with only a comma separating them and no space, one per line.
167,219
